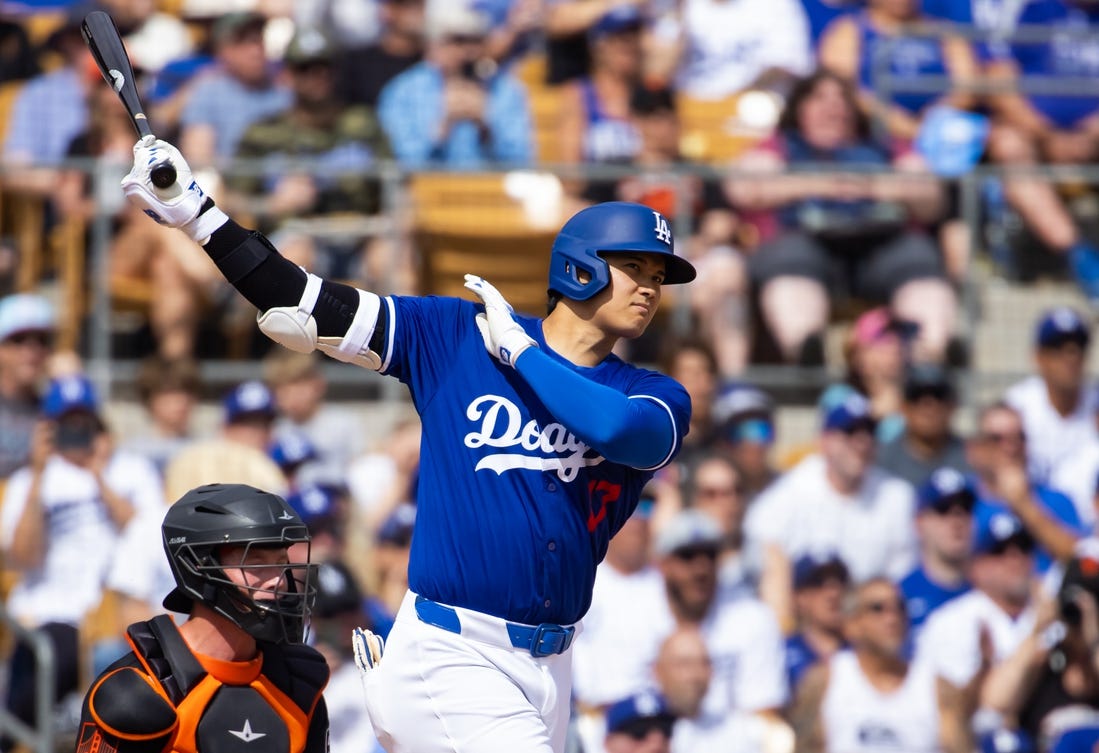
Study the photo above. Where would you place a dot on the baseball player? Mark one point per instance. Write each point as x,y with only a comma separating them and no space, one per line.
236,672
533,455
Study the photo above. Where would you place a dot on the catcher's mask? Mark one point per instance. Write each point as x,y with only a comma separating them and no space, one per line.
213,533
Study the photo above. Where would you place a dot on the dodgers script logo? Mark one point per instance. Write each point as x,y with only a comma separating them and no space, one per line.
501,425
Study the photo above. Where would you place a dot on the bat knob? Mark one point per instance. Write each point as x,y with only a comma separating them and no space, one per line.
163,175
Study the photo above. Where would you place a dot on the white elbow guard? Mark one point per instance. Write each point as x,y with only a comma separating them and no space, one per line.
295,328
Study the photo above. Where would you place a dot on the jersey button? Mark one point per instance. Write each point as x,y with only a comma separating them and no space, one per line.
546,603
553,546
551,487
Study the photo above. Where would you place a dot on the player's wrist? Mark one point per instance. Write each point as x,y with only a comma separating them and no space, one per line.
514,343
209,219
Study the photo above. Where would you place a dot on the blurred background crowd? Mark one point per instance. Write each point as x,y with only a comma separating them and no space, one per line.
879,534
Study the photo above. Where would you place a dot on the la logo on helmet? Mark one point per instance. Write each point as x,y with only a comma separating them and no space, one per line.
663,232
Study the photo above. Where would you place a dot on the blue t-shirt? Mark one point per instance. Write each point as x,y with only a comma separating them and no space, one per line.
514,510
820,13
1066,54
908,59
799,657
922,596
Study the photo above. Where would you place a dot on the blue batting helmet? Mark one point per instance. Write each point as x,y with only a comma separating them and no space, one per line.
611,226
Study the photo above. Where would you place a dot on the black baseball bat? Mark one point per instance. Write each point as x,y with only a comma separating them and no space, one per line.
105,43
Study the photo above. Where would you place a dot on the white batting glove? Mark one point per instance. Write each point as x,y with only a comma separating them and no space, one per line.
504,338
368,647
180,204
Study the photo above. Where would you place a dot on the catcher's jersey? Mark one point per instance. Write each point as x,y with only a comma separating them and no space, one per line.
514,511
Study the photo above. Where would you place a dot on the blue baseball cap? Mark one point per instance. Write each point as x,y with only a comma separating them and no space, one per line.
25,312
317,505
944,488
397,528
68,394
247,399
639,711
846,412
619,19
291,449
814,570
1060,325
744,413
995,527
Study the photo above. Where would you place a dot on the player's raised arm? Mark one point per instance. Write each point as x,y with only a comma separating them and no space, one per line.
297,309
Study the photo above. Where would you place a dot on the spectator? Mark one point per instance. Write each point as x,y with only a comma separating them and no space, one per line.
26,337
343,140
870,696
49,110
717,491
567,23
1078,478
928,441
1058,404
876,352
1049,686
1034,125
640,723
613,656
169,391
821,586
878,41
387,580
293,453
834,236
745,424
516,28
730,47
384,478
239,454
325,510
977,630
742,636
300,390
60,519
944,523
821,13
833,501
337,612
998,456
209,130
691,362
596,125
456,108
364,71
18,59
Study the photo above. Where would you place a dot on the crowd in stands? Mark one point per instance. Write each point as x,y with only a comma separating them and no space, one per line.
897,585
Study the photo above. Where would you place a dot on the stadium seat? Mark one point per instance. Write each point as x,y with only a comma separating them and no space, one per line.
473,224
711,130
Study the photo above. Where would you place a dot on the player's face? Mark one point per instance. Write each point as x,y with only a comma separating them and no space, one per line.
880,621
626,306
258,571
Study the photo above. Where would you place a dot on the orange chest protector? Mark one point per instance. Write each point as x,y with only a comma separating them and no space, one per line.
259,706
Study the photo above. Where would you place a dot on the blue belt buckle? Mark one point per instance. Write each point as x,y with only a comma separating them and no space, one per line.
549,639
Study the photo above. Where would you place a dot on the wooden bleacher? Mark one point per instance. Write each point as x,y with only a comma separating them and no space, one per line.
469,224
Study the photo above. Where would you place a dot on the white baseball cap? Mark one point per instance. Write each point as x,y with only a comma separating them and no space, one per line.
25,312
455,18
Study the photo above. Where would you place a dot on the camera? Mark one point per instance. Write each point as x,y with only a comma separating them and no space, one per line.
1081,575
77,431
478,71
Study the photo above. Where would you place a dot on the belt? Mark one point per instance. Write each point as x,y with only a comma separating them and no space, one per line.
546,639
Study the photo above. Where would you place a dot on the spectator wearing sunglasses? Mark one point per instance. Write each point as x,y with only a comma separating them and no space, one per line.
998,455
944,524
870,697
928,441
835,500
640,723
741,633
716,489
27,327
1058,404
744,421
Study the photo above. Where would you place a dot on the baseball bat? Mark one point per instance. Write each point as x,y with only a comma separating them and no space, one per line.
105,43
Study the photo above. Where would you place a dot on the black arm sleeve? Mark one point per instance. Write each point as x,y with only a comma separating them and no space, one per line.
316,740
267,280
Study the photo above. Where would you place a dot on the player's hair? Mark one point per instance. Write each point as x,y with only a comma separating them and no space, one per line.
158,374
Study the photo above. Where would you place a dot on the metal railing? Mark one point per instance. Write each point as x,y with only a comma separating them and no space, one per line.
40,737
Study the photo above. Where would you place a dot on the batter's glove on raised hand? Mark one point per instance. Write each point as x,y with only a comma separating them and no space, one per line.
504,337
183,204
368,647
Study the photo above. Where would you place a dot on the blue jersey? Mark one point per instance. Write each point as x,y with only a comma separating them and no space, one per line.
905,58
922,596
514,510
1066,54
820,13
